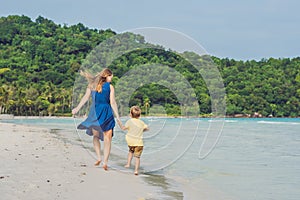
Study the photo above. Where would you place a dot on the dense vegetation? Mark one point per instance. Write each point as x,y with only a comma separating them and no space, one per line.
39,61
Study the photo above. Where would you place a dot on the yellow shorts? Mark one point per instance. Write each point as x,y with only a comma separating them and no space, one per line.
136,150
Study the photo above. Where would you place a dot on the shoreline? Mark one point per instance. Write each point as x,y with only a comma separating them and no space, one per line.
9,116
195,184
38,165
46,154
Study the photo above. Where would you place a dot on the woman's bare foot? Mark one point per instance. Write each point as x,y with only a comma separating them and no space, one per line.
97,163
105,166
127,166
136,173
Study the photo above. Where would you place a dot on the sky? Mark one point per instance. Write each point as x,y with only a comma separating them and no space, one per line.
240,30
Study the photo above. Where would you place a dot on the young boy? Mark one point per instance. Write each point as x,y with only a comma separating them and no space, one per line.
134,137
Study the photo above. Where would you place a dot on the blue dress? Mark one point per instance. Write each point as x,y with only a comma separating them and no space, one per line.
101,116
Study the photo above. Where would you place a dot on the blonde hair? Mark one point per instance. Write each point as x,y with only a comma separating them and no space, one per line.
135,111
96,82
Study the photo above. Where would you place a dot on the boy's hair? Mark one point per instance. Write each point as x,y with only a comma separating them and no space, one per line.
135,111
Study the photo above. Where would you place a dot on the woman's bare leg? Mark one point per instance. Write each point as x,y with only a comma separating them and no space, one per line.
97,146
107,147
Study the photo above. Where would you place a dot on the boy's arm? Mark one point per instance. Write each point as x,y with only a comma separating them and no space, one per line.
146,128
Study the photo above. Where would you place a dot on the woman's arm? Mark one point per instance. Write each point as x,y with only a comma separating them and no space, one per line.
113,103
84,99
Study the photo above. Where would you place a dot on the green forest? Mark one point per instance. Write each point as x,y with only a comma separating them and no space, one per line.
40,60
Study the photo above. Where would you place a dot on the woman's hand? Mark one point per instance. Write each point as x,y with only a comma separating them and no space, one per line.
121,125
75,110
84,99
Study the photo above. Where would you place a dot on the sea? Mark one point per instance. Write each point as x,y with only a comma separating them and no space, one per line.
242,158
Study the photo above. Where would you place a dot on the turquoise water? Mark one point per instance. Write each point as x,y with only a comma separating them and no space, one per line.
252,158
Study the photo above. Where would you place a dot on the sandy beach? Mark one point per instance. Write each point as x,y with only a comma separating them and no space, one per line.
36,165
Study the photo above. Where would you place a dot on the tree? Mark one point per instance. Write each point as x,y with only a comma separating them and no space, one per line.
39,61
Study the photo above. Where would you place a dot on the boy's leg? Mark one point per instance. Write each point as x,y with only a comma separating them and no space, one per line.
137,165
97,146
129,158
137,154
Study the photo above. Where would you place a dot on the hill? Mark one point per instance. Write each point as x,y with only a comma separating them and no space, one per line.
40,59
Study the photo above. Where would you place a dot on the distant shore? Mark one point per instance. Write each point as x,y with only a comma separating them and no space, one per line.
9,116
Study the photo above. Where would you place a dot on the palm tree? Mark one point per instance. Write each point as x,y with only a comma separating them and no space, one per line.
146,104
3,97
6,94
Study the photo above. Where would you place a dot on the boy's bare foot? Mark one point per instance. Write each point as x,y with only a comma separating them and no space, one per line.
136,173
127,166
105,166
97,162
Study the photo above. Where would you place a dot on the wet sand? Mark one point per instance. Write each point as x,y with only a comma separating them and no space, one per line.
37,165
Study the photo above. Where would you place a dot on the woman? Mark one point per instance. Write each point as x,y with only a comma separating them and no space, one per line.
100,121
